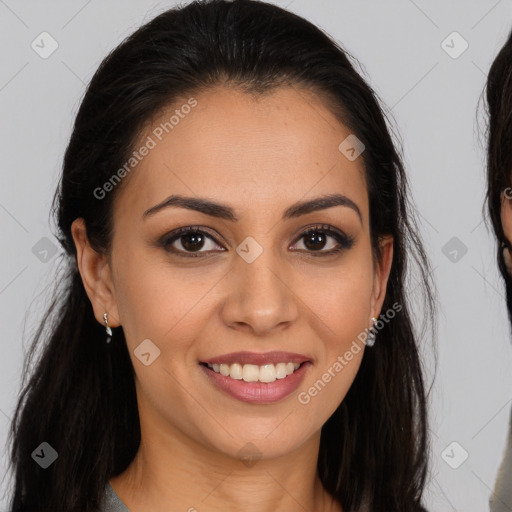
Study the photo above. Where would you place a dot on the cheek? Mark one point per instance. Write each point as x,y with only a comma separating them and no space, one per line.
158,302
341,302
341,296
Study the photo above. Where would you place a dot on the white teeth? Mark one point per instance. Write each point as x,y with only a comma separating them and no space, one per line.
267,373
281,370
235,371
253,373
250,373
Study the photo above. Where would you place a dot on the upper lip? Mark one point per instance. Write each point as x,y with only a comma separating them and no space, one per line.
258,359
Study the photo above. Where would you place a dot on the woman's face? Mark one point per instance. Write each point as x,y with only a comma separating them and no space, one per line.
249,281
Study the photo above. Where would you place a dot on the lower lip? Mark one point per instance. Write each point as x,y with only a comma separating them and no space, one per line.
258,392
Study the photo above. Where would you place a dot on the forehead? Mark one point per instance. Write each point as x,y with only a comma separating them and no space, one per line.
224,143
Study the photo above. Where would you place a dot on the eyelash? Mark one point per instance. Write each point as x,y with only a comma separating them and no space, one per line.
345,242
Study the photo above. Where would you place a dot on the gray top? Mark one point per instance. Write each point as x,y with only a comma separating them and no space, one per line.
112,502
501,498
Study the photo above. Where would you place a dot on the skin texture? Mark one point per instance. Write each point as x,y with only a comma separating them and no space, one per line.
259,156
506,221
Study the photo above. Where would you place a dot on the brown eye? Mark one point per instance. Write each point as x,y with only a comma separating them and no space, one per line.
318,238
189,240
315,241
192,241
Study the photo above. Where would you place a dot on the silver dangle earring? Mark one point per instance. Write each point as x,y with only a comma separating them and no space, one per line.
372,333
107,327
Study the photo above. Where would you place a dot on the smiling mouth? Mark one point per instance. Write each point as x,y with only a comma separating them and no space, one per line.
253,373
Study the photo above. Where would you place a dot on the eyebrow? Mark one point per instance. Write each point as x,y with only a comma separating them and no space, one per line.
223,211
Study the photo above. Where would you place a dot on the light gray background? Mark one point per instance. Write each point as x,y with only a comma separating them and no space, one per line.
433,99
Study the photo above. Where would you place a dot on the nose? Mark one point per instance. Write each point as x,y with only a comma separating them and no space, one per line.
260,297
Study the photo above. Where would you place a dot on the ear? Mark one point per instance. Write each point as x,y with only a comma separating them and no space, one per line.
381,275
96,275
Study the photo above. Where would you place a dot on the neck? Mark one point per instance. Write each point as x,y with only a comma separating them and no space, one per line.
172,471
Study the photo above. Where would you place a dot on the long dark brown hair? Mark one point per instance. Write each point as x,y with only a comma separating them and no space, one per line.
498,94
80,397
